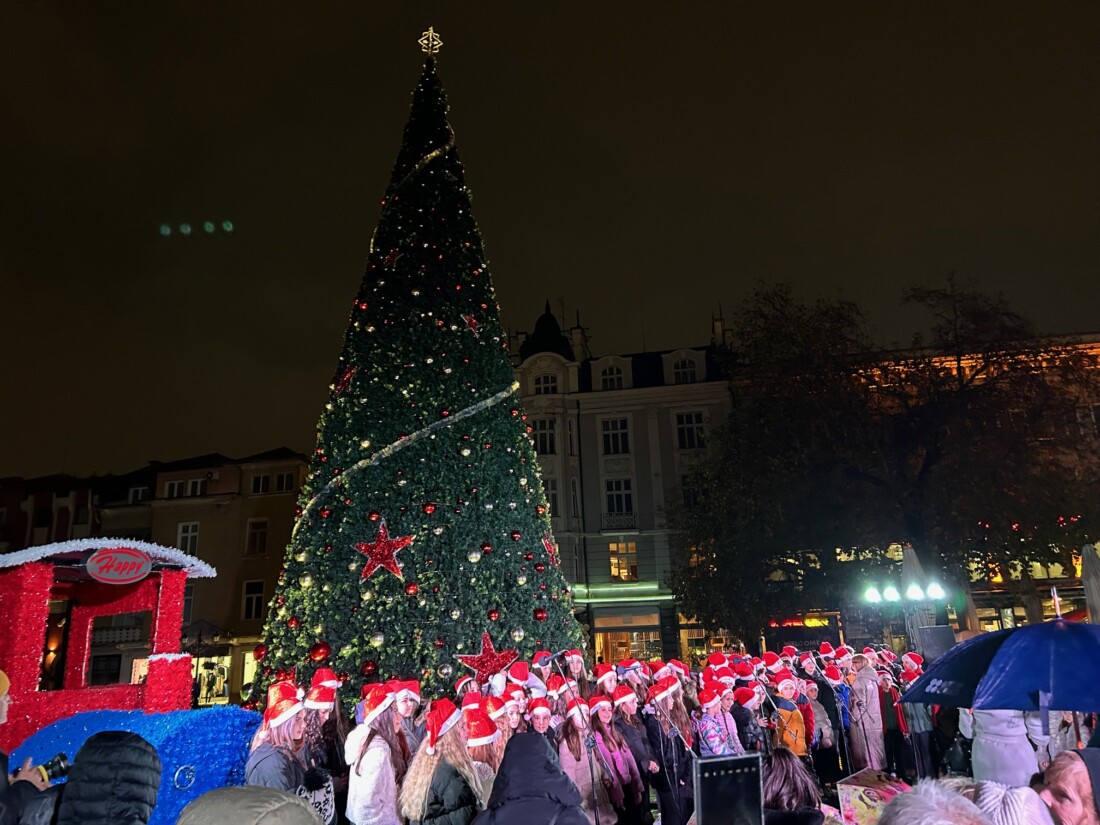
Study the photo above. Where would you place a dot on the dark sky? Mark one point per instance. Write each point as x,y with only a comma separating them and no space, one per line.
640,162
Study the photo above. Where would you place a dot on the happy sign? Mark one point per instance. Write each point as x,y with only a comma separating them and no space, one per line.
119,565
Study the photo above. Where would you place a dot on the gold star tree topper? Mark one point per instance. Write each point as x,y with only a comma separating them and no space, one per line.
430,42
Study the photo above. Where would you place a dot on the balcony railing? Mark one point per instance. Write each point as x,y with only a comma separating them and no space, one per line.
618,521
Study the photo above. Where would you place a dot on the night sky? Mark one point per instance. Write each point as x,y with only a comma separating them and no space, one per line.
641,163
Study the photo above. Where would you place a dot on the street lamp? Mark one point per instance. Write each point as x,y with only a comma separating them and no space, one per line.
935,592
890,593
872,595
914,592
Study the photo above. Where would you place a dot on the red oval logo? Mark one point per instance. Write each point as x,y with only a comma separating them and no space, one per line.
119,565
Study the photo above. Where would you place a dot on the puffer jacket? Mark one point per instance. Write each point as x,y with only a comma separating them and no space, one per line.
531,787
274,767
248,805
113,781
451,800
14,797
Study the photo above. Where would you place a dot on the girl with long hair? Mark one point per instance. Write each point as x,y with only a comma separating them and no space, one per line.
578,673
586,770
630,727
497,707
442,785
789,787
669,732
379,757
622,762
274,761
482,739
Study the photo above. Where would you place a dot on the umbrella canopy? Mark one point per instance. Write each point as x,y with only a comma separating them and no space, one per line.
1054,665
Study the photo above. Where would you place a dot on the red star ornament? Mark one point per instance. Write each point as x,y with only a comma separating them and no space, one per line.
382,552
345,380
489,662
551,549
472,324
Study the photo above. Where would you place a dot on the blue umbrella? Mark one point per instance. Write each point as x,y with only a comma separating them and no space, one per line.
1054,665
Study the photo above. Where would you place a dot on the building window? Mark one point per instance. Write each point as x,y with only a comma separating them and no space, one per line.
546,384
542,430
256,539
683,371
252,606
261,485
574,499
196,487
571,436
81,515
620,496
187,537
284,483
137,494
188,601
616,436
105,669
624,561
689,430
550,487
611,378
173,489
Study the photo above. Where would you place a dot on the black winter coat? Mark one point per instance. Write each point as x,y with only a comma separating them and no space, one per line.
274,767
451,800
669,753
113,781
801,816
531,787
638,741
13,797
748,729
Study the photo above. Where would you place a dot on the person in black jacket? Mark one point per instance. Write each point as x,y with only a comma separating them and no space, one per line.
532,788
20,787
442,786
274,762
632,729
113,781
669,733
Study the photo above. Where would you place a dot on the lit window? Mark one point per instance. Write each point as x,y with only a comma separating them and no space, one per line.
542,430
611,378
683,371
187,537
546,384
624,561
689,430
616,437
256,539
252,606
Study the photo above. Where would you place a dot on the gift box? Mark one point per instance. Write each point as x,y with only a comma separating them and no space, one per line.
865,794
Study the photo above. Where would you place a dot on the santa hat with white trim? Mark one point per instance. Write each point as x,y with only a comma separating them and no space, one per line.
408,689
663,689
709,699
377,702
442,716
472,700
658,670
538,707
518,673
283,702
463,681
324,677
623,693
717,659
480,729
602,672
772,661
321,698
678,668
825,650
600,700
555,684
784,679
912,660
496,707
574,654
832,675
577,708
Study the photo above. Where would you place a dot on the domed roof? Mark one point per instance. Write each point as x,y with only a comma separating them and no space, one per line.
547,337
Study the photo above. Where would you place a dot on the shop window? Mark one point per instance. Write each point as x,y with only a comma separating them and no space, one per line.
624,561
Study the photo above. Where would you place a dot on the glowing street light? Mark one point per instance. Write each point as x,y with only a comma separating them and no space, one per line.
890,593
914,593
872,595
935,591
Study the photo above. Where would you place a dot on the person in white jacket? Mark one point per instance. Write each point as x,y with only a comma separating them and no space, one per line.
1005,744
378,755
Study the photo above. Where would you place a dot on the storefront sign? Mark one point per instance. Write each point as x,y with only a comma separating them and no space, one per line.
118,565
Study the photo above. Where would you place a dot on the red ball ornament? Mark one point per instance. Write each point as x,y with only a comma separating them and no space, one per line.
439,642
540,568
249,705
486,547
435,588
540,510
494,614
444,413
540,614
412,588
259,652
343,675
325,512
429,507
267,671
293,622
368,668
374,515
542,586
280,675
320,651
516,535
528,556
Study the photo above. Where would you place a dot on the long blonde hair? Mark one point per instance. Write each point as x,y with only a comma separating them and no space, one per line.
450,748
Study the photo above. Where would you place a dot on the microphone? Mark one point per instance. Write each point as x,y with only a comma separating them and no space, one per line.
544,659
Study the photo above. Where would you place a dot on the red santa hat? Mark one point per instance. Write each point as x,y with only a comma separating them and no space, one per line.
871,653
908,676
743,670
600,700
888,655
788,652
555,684
843,654
805,657
367,690
324,677
519,673
709,699
717,659
496,706
480,729
744,697
574,654
472,700
623,693
442,716
541,658
538,707
283,702
408,689
462,682
577,708
631,666
832,675
663,689
720,688
913,660
516,695
321,697
772,662
724,674
377,702
602,671
784,679
826,650
679,668
658,669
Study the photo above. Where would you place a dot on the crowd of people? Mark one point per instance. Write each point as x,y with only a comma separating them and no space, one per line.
550,741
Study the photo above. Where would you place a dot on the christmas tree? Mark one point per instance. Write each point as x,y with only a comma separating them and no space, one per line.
423,523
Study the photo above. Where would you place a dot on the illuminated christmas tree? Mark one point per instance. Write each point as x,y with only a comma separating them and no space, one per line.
423,522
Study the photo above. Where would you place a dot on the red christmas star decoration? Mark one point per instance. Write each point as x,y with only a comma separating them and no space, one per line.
551,549
472,324
392,256
345,380
489,662
382,552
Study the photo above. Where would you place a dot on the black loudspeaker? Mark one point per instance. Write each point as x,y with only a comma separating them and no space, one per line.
935,641
728,790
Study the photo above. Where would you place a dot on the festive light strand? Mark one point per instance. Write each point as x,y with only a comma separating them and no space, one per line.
401,443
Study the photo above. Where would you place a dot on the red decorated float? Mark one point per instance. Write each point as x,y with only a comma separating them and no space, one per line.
60,600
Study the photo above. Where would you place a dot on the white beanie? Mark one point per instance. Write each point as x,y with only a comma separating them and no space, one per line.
1009,806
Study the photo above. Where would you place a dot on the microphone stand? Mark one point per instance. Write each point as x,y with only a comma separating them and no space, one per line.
589,739
674,781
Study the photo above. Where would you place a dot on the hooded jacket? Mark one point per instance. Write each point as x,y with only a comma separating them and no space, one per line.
531,787
248,805
113,781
